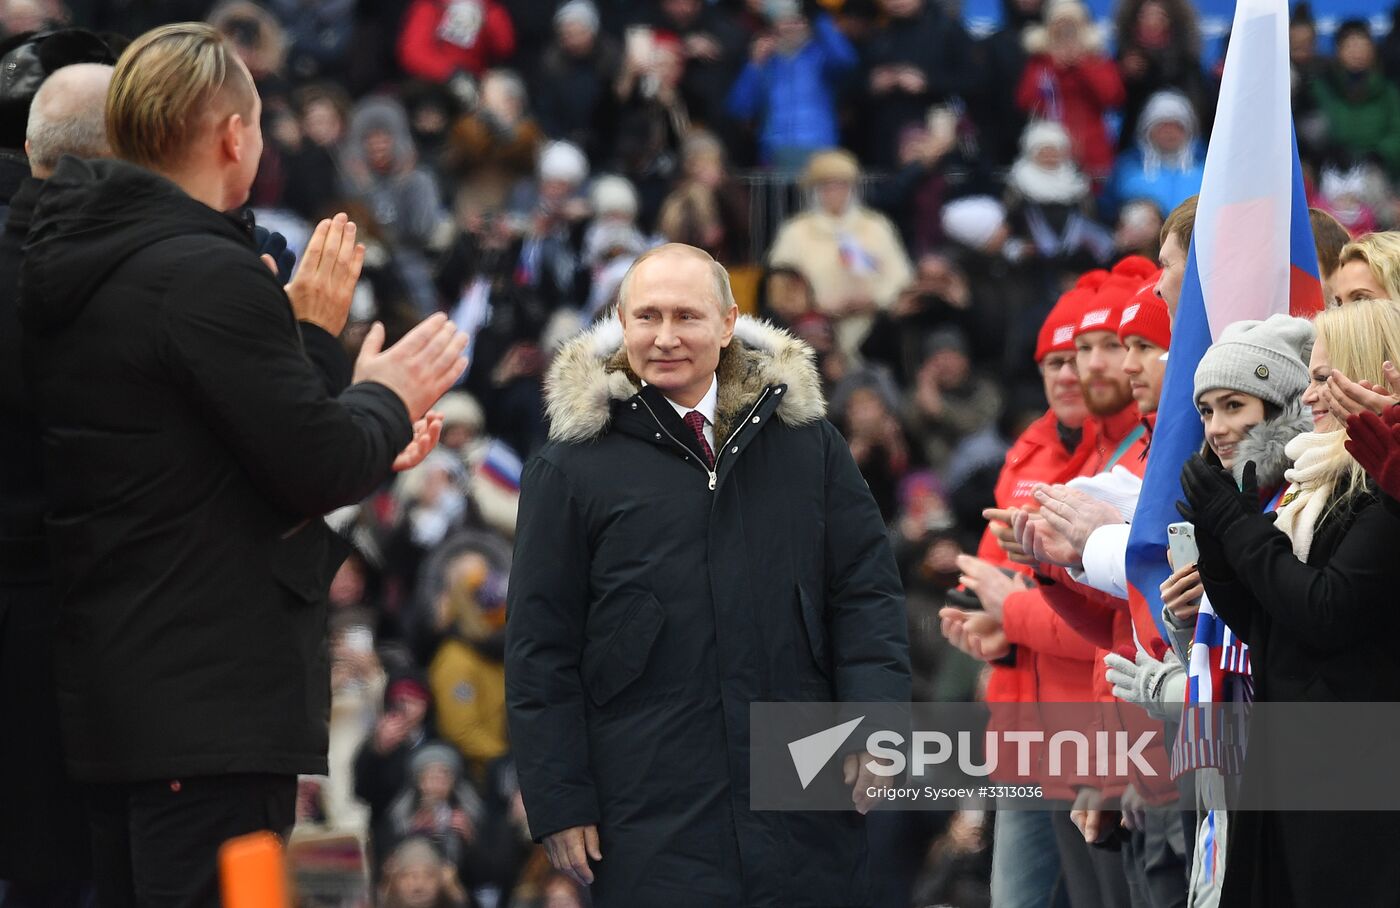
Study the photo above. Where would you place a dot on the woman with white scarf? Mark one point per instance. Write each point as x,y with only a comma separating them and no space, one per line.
1049,203
1310,592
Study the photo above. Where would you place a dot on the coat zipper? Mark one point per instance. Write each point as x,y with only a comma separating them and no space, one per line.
712,474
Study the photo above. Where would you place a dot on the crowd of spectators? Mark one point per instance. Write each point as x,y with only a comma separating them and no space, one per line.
506,160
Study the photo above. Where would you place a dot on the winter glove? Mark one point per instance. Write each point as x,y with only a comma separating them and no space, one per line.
1376,446
275,245
1157,686
1214,504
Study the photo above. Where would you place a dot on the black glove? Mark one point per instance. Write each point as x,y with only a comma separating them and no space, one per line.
275,245
1215,503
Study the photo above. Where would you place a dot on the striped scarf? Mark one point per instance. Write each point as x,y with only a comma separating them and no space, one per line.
1219,691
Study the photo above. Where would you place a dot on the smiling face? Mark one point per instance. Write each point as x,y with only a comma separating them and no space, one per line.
1226,416
1062,389
1099,356
1319,368
1145,368
673,326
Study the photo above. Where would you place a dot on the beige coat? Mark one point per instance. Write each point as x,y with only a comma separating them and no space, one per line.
809,243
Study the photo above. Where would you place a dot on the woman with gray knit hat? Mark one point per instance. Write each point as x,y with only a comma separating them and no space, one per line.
1248,389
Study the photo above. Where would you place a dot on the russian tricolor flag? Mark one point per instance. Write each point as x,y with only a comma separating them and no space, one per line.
1251,256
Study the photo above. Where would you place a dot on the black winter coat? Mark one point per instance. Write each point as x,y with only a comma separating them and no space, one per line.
648,610
189,447
43,832
1320,631
932,42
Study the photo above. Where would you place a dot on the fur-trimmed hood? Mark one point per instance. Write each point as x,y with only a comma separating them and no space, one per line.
1264,444
591,372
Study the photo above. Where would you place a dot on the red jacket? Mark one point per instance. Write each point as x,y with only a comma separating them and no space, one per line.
441,37
1076,96
1050,661
1102,619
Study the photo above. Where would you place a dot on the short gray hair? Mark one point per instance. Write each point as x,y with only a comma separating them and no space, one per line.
723,291
68,116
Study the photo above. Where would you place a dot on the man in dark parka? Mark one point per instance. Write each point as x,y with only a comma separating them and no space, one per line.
655,594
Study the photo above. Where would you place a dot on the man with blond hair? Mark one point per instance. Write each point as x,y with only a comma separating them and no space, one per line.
189,450
694,537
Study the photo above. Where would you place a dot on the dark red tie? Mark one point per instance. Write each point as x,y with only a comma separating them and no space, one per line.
696,420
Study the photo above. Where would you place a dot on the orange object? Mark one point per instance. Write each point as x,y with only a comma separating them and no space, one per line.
253,872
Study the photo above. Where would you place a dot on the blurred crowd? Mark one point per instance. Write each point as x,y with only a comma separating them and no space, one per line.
909,201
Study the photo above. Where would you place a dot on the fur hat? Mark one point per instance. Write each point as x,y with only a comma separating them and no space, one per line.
1265,359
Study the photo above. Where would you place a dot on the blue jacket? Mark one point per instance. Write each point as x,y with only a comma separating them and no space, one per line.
793,95
1166,187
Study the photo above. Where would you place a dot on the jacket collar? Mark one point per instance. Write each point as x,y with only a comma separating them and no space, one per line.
1115,428
591,372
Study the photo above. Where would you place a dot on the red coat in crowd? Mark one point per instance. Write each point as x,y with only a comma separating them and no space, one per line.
1044,643
1050,662
1077,96
443,37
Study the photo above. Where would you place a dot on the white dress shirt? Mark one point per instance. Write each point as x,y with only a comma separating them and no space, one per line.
707,406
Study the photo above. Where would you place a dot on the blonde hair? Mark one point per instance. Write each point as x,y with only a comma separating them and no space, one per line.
166,86
724,293
1381,253
1360,337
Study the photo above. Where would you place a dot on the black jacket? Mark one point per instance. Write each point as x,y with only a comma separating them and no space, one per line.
648,611
932,42
1320,631
189,447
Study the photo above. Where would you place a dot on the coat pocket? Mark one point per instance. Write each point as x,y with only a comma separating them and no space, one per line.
814,624
622,659
305,561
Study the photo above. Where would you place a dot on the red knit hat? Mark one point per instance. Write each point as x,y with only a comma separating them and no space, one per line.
1146,316
1057,334
1091,280
1136,268
1106,310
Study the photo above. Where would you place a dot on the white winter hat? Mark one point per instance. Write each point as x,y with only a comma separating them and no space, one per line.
563,161
611,194
1043,133
460,408
973,221
1168,106
1267,359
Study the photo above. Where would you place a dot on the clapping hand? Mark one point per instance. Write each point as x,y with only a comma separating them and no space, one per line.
1347,398
1214,503
1075,515
988,583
